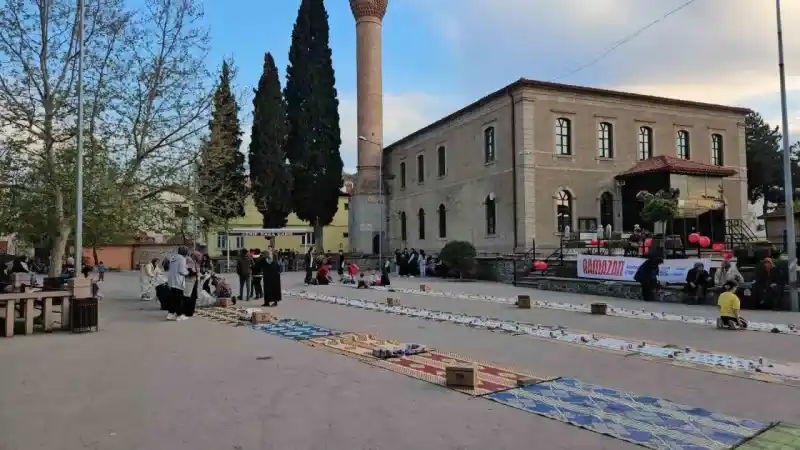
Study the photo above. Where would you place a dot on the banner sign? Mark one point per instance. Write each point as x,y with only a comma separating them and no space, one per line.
623,268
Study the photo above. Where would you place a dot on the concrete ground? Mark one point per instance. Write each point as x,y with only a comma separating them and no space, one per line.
142,383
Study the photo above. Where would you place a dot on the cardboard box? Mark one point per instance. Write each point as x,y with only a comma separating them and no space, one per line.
461,376
392,301
425,287
522,382
599,308
224,302
524,301
261,317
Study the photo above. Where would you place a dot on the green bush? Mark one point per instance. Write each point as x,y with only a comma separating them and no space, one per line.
458,256
659,210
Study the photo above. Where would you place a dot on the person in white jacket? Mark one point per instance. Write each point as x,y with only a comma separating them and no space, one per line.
176,280
148,278
727,272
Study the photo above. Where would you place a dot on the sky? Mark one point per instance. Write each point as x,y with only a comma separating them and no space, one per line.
440,55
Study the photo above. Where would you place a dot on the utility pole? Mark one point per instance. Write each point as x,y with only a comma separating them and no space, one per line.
788,191
79,168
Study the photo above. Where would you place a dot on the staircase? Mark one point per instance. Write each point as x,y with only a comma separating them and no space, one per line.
738,234
554,261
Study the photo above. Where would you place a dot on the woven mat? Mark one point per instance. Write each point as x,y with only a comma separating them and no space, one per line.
647,421
431,367
357,345
779,437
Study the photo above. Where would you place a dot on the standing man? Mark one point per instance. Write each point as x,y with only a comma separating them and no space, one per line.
244,270
176,280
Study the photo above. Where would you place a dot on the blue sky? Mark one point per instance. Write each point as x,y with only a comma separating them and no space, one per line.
440,55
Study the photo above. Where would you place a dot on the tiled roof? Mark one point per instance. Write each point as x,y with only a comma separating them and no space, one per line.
671,164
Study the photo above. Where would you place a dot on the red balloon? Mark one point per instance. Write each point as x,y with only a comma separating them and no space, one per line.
727,255
705,241
648,242
718,247
694,238
540,265
594,242
603,243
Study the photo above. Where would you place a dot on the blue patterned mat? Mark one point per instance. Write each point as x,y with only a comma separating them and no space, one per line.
294,329
647,421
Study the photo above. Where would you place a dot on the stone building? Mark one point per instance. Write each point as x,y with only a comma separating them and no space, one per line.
534,157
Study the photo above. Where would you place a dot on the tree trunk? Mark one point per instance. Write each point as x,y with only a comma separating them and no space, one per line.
58,250
94,255
318,237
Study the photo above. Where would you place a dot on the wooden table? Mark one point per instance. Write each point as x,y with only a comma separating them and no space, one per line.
27,301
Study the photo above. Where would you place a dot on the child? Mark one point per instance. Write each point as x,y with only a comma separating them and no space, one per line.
101,272
729,306
352,270
373,278
362,283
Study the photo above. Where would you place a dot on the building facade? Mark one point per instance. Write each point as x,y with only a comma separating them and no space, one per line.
532,158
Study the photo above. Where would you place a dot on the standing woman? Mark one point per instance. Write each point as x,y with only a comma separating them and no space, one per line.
272,279
309,265
193,266
387,266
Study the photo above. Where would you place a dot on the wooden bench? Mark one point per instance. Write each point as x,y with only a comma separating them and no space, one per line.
27,301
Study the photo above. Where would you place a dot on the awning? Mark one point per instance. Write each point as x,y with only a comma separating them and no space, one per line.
695,207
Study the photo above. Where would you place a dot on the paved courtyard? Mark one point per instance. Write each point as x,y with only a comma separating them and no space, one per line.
143,383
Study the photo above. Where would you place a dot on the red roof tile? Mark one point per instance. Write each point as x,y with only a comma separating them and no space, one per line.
671,164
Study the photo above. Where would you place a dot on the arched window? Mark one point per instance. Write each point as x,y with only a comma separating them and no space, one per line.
645,143
403,228
607,209
563,210
488,145
442,221
605,140
402,175
421,218
563,136
716,150
682,142
491,215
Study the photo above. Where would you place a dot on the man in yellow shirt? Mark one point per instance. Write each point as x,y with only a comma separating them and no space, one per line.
729,306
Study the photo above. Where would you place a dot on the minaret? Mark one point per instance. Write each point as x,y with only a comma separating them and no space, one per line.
366,210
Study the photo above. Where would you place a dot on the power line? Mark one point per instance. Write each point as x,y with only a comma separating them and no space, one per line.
623,41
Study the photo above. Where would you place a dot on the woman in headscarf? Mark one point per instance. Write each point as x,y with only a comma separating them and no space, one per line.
193,265
309,260
148,278
272,279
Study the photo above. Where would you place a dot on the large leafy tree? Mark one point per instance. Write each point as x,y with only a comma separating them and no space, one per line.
764,175
222,183
146,98
270,178
313,116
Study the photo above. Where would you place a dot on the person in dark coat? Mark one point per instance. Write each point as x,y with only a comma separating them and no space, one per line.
385,269
309,260
697,282
769,284
257,273
272,279
244,270
647,277
340,265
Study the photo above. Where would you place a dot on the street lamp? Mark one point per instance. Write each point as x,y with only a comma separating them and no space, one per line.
79,168
791,251
380,199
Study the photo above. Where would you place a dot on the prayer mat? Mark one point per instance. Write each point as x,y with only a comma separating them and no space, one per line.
780,437
647,421
227,316
357,345
431,367
295,330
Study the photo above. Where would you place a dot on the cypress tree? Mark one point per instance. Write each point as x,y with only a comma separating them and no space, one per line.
222,182
270,179
313,117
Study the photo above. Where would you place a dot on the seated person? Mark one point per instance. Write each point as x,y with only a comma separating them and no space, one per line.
374,279
352,270
323,277
696,283
362,282
729,307
727,272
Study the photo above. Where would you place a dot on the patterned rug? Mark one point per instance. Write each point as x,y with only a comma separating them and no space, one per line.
227,316
779,437
295,330
431,367
357,345
647,421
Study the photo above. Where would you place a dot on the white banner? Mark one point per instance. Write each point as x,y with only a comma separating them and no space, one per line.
623,268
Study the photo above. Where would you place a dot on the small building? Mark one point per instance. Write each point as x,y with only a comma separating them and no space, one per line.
533,158
775,225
